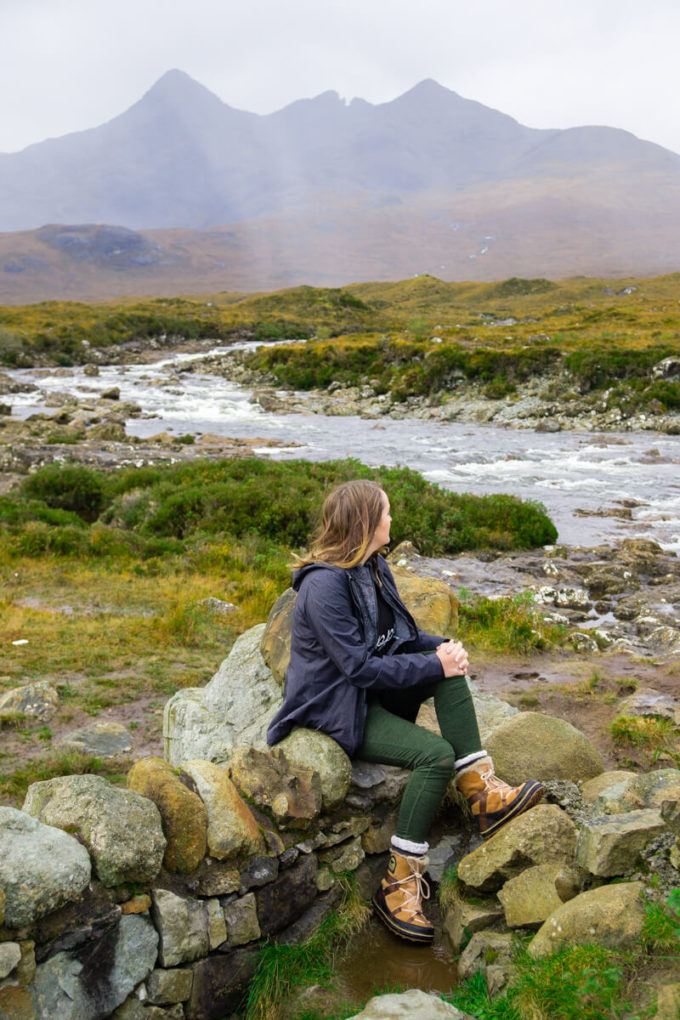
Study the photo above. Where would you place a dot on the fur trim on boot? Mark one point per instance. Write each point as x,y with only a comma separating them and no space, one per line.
491,801
398,901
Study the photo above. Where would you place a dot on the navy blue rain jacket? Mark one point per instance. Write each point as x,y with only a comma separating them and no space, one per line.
333,664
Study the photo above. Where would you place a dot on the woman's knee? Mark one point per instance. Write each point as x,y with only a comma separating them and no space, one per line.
437,757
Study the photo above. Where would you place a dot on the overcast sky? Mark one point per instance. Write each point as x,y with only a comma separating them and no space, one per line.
72,64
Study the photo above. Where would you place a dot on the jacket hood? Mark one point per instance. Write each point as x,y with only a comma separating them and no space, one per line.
298,575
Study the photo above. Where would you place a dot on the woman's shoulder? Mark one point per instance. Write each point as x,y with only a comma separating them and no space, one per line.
320,575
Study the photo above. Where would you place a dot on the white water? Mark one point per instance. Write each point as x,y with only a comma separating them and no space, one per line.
566,471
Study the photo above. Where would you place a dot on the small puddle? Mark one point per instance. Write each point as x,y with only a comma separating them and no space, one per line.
379,961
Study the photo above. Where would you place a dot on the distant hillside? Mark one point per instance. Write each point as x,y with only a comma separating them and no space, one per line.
202,197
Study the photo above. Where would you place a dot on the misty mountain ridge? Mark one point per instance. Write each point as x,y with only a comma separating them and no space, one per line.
323,188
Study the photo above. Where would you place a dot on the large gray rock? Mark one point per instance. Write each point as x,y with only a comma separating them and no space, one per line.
411,1005
531,745
612,916
544,835
121,829
611,844
38,700
41,867
105,738
309,749
465,917
92,981
374,784
233,709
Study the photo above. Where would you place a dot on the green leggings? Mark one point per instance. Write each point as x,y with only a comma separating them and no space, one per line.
392,738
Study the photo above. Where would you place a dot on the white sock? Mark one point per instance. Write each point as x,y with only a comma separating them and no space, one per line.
469,759
407,846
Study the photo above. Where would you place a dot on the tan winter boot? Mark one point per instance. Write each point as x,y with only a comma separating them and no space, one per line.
398,901
492,802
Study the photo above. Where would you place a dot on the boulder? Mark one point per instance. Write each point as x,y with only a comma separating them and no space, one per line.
292,795
531,745
232,830
38,700
233,709
121,829
592,788
544,835
10,957
431,601
41,867
611,916
105,738
310,749
611,844
645,790
531,897
96,978
411,1005
184,815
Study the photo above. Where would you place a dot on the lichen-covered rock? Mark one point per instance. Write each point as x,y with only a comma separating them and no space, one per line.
646,790
310,749
10,956
104,738
531,745
41,867
275,643
465,917
592,788
610,845
233,709
544,835
431,601
232,830
183,928
38,700
165,987
482,947
612,916
121,829
95,979
184,815
374,784
529,898
242,923
411,1005
292,795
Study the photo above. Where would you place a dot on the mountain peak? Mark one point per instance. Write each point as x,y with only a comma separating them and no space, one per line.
179,87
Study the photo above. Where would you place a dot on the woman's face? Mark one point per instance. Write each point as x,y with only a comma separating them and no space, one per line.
381,535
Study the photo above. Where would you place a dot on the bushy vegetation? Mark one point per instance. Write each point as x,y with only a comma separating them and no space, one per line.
153,511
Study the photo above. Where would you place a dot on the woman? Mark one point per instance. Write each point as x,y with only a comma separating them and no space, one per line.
360,669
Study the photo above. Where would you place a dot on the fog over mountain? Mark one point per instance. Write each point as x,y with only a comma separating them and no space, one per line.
323,192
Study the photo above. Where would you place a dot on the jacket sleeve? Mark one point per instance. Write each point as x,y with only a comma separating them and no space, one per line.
332,624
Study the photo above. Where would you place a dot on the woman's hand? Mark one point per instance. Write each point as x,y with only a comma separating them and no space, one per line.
453,657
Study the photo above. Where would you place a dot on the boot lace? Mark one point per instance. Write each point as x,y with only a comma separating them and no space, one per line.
414,897
492,782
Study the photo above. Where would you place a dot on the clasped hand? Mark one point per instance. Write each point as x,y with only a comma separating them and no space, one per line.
453,657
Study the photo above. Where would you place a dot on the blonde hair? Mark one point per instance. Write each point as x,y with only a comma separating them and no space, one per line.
349,518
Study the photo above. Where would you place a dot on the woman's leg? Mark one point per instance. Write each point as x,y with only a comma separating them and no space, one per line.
392,739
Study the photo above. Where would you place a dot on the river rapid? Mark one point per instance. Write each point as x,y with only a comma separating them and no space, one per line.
596,487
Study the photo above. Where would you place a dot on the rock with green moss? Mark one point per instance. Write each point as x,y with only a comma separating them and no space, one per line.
184,815
121,829
612,916
531,745
310,749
